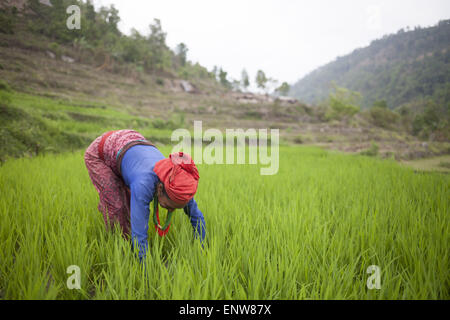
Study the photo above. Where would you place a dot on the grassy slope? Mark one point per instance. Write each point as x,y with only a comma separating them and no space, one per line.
311,231
441,163
27,68
33,124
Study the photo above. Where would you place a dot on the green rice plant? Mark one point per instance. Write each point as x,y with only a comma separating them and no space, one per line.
308,232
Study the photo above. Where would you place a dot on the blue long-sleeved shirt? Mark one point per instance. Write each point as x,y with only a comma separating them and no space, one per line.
137,172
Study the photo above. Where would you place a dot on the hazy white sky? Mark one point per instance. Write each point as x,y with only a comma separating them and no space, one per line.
285,38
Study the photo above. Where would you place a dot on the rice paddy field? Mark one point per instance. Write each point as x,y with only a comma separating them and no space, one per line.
310,231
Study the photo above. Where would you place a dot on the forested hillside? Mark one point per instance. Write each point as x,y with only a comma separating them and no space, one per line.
400,68
60,88
98,39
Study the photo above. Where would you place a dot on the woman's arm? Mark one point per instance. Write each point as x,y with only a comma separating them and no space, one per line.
141,196
196,218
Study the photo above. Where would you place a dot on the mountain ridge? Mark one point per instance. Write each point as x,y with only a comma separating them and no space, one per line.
398,68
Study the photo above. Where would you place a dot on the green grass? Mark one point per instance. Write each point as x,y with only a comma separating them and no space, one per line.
441,163
31,124
308,232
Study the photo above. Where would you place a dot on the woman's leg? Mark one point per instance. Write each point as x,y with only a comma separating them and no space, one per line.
114,200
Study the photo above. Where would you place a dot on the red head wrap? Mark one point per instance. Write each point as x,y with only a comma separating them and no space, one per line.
179,175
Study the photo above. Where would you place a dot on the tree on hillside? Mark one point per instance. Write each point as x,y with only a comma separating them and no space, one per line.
158,57
100,41
51,21
111,18
157,36
261,79
271,85
245,82
215,72
434,117
223,78
106,29
8,19
381,116
181,53
236,85
380,104
343,103
283,90
133,48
